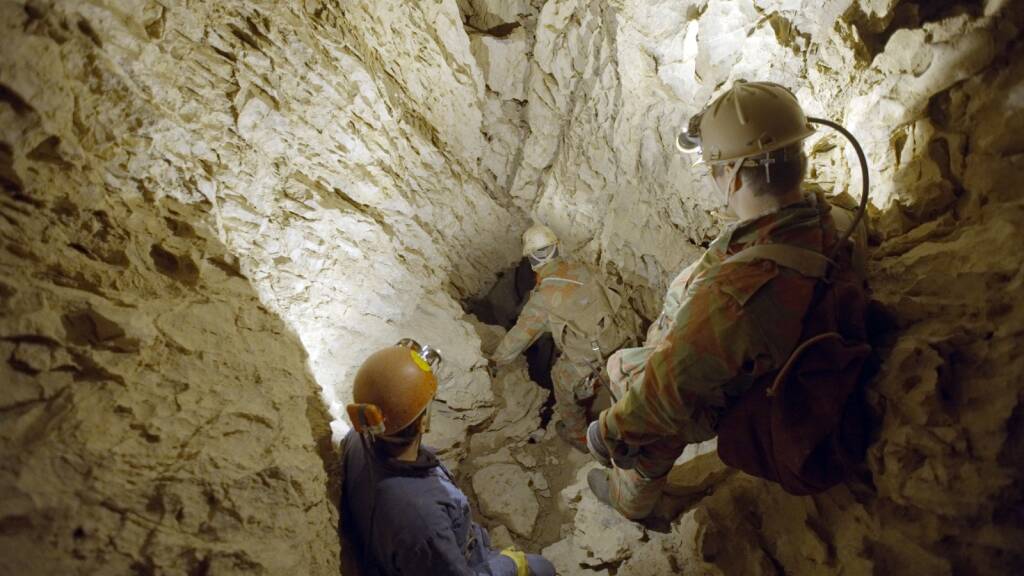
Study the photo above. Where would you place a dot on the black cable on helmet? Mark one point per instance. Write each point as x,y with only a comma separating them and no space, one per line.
864,178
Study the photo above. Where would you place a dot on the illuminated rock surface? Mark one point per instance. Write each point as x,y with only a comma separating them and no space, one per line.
210,208
504,493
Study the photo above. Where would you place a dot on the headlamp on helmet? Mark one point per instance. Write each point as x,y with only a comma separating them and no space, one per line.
688,141
394,387
748,122
431,355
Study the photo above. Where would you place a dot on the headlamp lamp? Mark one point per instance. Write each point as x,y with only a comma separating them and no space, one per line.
432,356
688,141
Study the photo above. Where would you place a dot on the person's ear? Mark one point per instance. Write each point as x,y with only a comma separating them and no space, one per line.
425,422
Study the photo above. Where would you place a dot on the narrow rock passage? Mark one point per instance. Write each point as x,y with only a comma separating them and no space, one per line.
529,489
211,212
516,465
527,485
516,473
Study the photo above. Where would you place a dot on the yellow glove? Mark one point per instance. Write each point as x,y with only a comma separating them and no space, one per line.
519,557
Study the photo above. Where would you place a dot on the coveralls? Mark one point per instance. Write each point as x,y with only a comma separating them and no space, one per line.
580,312
722,326
409,518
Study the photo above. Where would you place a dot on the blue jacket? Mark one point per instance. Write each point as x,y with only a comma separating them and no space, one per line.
421,522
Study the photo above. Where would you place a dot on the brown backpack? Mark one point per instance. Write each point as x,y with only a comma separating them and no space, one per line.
805,425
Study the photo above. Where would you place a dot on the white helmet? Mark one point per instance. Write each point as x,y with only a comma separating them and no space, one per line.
540,244
743,126
749,120
538,237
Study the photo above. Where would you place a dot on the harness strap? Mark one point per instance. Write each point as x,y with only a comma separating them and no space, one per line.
807,262
557,279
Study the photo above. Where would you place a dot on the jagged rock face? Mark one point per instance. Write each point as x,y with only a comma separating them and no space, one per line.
154,416
358,168
353,187
504,493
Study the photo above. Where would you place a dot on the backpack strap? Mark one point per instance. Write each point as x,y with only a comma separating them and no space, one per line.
807,262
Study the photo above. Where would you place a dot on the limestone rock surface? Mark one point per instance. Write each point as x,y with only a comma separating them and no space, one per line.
501,538
566,558
520,414
285,121
505,495
155,417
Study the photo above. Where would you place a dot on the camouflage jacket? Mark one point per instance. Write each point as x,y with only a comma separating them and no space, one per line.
571,303
722,326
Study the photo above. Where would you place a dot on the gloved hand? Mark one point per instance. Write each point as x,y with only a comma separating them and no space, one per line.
585,388
519,557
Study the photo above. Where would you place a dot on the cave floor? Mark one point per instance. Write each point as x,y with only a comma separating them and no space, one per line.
551,466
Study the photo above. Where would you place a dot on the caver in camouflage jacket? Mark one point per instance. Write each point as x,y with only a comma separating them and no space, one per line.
571,303
722,326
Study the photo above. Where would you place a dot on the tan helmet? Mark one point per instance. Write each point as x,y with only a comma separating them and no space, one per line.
750,119
393,387
538,237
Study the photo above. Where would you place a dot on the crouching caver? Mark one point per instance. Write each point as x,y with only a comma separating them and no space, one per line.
401,504
585,319
737,314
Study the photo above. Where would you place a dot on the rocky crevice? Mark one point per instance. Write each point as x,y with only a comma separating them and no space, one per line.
156,416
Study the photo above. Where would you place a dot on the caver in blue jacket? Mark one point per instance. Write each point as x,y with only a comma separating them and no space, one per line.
409,518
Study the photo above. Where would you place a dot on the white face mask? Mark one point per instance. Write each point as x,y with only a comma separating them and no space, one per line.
541,257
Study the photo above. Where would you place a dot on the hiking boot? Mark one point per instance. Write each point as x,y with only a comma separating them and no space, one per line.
597,479
577,441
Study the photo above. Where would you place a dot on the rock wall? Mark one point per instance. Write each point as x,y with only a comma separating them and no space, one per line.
352,195
359,168
155,417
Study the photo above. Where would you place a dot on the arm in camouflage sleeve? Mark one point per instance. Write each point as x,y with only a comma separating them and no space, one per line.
532,322
626,364
709,343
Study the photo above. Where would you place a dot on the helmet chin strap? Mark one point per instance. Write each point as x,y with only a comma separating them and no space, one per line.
731,171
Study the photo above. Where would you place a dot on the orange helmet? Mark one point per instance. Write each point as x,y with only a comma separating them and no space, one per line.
393,387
